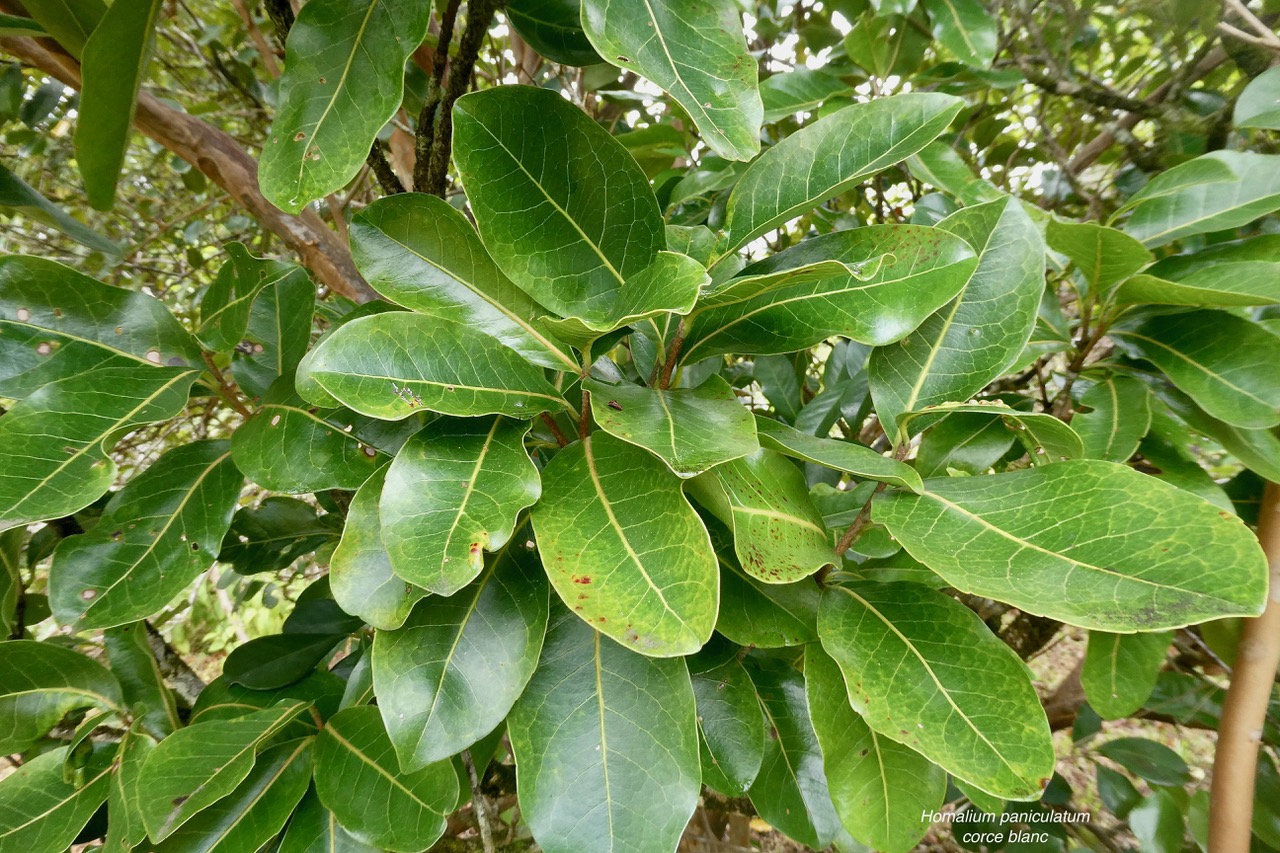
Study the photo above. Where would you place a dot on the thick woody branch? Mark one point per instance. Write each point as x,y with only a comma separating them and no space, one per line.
1235,761
223,161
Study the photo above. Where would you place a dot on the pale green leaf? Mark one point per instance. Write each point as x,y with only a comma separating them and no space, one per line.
1119,417
1046,438
1120,670
1103,256
965,28
452,493
17,196
798,90
624,549
1090,543
824,159
1244,272
920,669
1259,103
691,429
394,364
69,21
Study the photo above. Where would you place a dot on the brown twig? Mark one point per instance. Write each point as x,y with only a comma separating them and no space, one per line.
555,429
859,523
673,355
479,15
584,419
1235,760
479,803
226,389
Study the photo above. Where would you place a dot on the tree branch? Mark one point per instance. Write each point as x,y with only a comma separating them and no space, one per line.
479,15
1235,761
223,161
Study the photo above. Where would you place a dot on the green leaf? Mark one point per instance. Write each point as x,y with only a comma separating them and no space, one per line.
965,28
1259,103
758,614
255,811
125,829
535,169
790,792
731,726
275,533
798,90
18,25
1116,791
1090,543
451,674
1103,256
17,196
1120,670
846,456
289,446
12,584
358,779
40,811
114,62
1153,761
148,698
314,829
670,284
1120,417
690,429
227,303
277,660
1185,204
1157,822
958,350
697,53
360,572
56,323
622,727
1258,449
453,492
970,442
156,536
653,588
886,43
823,159
421,252
1046,438
1218,359
1235,273
222,700
554,29
277,336
61,435
393,364
343,80
872,284
883,791
195,767
41,683
69,21
921,667
778,534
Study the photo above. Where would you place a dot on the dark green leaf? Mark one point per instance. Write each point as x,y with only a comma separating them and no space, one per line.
148,698
277,660
56,323
657,39
125,829
622,727
831,155
41,683
535,169
17,196
358,779
451,674
314,829
691,429
394,364
799,90
422,253
790,791
731,726
272,535
1143,757
1220,360
554,29
114,62
969,442
343,80
652,587
1046,438
1091,543
69,21
156,536
453,492
883,791
920,669
1120,416
759,614
847,456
